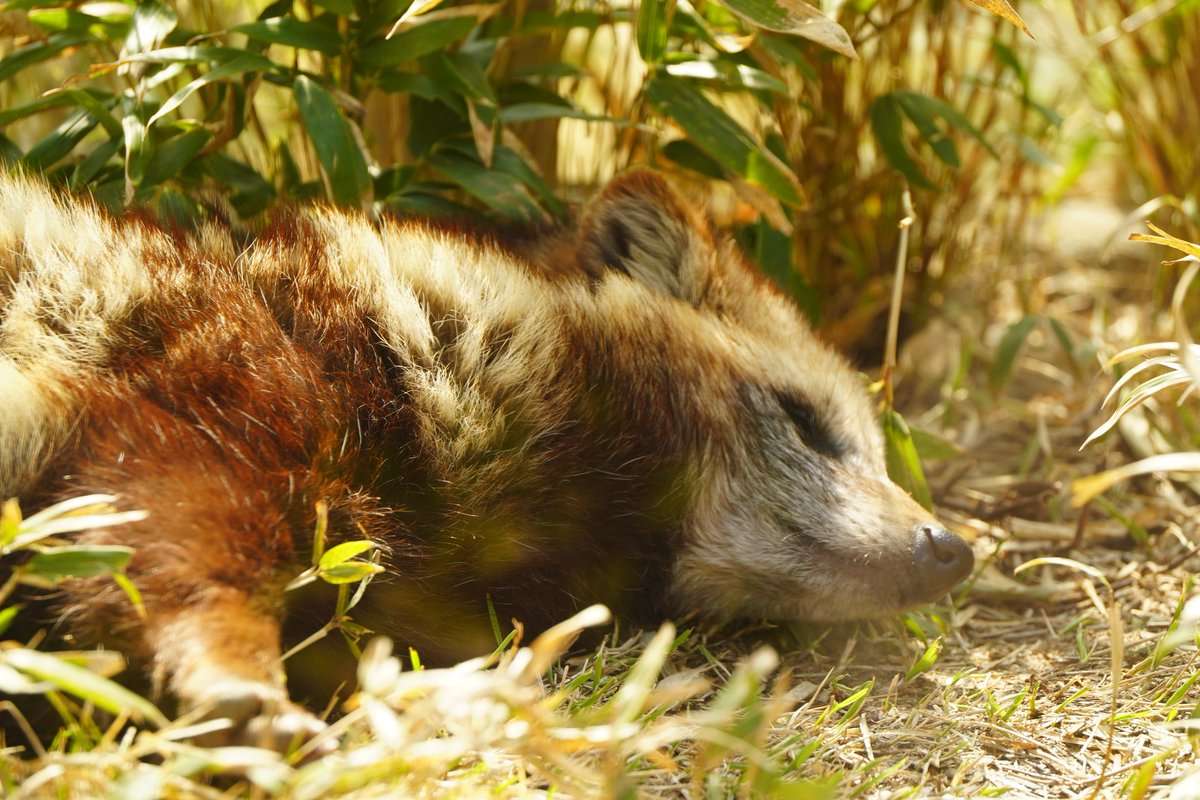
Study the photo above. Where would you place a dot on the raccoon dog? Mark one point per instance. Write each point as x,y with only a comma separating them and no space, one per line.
626,413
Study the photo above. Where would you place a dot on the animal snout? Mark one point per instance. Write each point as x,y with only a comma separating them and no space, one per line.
941,558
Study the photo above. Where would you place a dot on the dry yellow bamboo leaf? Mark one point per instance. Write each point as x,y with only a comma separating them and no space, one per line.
1002,9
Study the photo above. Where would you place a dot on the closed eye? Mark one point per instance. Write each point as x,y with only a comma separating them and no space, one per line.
813,431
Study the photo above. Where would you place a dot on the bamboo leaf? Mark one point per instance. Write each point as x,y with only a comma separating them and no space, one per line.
315,35
56,20
174,155
61,141
251,191
904,464
428,37
77,561
1143,393
932,447
653,22
526,112
192,54
795,17
1058,561
1169,362
344,552
500,191
1167,239
722,137
43,103
7,615
349,572
1085,489
1002,9
727,75
887,123
337,149
924,115
30,54
83,683
245,62
915,103
1010,345
151,24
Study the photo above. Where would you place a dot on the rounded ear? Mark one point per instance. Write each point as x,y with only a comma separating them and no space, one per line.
639,226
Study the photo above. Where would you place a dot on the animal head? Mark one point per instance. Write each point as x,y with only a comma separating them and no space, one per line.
793,514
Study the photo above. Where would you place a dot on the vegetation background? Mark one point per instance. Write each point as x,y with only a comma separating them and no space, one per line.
980,166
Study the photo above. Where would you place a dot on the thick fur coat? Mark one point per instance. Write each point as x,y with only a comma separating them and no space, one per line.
625,413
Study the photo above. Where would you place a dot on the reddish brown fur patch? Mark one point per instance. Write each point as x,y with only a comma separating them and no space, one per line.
542,422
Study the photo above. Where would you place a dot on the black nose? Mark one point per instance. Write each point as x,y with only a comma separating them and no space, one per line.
941,558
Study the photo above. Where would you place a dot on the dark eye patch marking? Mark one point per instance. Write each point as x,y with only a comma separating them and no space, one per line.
812,429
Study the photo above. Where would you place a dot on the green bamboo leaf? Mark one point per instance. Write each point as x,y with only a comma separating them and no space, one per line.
193,54
43,103
61,141
343,8
319,35
131,591
467,76
722,137
887,123
687,154
252,192
428,204
932,106
77,561
100,104
10,523
171,157
423,86
350,572
500,191
932,447
924,116
137,149
1006,352
526,112
31,54
428,37
243,62
338,151
727,75
1064,338
87,170
344,552
57,20
653,22
552,70
7,615
904,465
152,23
82,683
382,16
795,17
509,161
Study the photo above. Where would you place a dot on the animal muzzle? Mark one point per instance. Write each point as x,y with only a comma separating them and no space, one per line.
940,560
